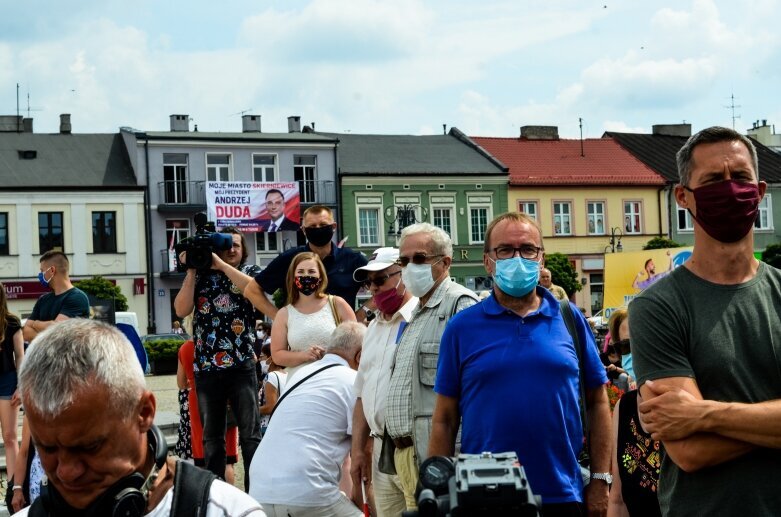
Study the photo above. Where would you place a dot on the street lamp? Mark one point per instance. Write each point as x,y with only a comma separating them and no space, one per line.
615,240
400,217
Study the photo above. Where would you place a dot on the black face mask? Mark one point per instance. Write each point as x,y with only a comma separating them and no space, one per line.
623,346
319,236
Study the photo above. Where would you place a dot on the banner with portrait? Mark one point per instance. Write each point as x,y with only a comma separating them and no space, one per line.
253,206
627,274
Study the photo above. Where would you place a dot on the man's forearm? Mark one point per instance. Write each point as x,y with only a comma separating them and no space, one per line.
185,298
758,424
703,450
600,435
238,278
255,294
361,428
443,439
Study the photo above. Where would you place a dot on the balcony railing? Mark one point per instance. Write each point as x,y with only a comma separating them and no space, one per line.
314,192
168,263
173,192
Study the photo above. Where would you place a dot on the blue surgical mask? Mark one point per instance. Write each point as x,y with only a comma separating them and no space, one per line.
42,278
516,276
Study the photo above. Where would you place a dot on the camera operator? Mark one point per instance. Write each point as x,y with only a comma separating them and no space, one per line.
223,332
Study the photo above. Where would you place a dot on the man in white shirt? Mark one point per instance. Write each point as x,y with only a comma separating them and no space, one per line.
296,470
382,277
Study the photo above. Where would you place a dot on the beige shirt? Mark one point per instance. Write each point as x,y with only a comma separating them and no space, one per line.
379,346
558,292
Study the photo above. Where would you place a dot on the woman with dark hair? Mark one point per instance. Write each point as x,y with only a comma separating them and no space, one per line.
11,356
303,326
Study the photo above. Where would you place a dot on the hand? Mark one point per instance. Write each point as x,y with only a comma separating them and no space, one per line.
596,498
218,263
183,257
314,353
16,400
18,501
359,475
611,368
672,414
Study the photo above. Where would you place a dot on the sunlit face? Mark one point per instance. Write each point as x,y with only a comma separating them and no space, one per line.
87,448
545,278
275,204
421,244
318,220
510,233
233,255
391,277
307,268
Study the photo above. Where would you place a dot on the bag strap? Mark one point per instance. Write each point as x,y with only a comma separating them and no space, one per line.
296,385
334,312
569,321
191,490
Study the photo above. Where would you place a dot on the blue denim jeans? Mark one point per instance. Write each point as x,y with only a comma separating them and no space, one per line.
239,386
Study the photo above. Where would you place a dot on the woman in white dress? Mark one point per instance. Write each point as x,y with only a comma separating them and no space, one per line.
303,327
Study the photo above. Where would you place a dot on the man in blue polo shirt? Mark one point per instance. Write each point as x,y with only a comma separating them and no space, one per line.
508,368
340,263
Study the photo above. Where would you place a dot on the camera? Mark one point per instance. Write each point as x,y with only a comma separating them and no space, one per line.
475,485
200,246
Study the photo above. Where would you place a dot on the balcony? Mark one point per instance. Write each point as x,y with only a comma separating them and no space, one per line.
168,265
177,196
313,192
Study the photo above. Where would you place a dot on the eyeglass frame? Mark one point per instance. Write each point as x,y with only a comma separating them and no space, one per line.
404,261
367,282
519,251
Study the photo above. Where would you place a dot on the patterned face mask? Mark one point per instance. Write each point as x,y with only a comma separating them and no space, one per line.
307,285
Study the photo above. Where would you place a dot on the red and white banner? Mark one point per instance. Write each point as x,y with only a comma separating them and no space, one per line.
253,207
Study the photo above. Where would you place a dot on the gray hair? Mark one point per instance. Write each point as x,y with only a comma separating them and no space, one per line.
711,135
346,339
439,237
75,354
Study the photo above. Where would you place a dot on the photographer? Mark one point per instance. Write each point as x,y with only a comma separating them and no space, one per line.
223,332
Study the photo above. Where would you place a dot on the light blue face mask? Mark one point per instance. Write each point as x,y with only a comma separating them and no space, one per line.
516,276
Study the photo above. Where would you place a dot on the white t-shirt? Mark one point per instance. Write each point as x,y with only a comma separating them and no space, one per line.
224,501
299,460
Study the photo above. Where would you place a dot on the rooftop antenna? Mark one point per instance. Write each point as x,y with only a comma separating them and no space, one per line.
18,121
29,109
580,123
242,112
732,107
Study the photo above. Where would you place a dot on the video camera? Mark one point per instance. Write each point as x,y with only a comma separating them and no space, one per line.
475,485
200,246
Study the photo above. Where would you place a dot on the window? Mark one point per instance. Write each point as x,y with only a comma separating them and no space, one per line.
268,242
305,173
369,227
443,218
529,208
4,233
562,218
597,291
264,168
175,177
176,230
218,167
685,223
50,231
478,222
632,216
595,213
104,232
764,219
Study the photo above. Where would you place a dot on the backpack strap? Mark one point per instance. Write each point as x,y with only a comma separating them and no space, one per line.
569,321
191,490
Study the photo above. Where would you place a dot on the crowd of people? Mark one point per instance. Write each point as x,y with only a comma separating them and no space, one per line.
335,409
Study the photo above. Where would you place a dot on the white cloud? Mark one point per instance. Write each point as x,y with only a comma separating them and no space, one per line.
620,126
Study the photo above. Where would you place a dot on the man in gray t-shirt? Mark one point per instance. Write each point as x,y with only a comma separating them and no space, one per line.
706,343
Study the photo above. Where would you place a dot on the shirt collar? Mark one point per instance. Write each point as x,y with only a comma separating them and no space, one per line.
439,293
330,358
549,306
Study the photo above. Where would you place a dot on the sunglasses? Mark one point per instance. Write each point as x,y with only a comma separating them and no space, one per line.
417,258
378,281
623,346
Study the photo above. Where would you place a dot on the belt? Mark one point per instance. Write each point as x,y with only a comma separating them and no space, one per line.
375,435
403,442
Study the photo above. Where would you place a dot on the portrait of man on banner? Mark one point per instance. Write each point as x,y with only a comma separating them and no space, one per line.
254,206
276,213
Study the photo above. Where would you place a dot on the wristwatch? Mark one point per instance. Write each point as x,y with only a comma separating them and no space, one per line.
603,476
369,313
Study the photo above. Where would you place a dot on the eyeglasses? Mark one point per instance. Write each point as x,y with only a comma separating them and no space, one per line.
378,281
417,258
526,251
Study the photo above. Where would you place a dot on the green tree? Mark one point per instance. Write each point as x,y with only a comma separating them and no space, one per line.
658,243
562,272
772,255
99,287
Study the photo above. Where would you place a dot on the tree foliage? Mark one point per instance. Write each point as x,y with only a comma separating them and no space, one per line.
772,255
659,243
562,272
101,288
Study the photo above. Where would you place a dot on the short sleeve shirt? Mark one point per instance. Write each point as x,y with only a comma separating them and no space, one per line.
73,303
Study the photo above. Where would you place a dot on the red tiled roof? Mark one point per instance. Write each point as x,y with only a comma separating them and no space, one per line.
559,162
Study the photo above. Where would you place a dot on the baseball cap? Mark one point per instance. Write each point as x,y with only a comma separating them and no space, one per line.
380,259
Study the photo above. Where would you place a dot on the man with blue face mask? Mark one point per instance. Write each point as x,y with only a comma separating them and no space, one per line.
508,371
63,302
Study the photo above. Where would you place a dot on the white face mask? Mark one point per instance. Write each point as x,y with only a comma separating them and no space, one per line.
418,278
264,367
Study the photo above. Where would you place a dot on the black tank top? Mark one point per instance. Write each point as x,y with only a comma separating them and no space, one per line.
639,460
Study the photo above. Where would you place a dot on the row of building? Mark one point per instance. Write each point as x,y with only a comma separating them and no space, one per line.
117,203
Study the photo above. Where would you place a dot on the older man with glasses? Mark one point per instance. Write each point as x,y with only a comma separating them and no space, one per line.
509,374
425,255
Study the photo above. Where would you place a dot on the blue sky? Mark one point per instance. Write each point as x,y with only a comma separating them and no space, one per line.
402,66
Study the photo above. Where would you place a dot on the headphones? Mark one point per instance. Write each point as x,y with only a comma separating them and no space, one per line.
125,498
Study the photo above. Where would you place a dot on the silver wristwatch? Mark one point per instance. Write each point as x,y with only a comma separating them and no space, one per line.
603,476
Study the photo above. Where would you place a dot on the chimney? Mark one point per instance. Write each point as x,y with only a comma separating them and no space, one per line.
294,124
764,122
65,124
250,123
180,123
672,130
27,125
540,132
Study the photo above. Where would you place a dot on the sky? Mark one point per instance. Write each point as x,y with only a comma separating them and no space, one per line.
393,67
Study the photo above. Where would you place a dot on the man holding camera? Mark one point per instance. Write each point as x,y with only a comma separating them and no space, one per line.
223,332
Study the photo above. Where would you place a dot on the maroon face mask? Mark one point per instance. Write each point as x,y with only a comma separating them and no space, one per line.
389,301
726,210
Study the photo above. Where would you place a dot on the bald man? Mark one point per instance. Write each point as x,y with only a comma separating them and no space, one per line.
545,281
